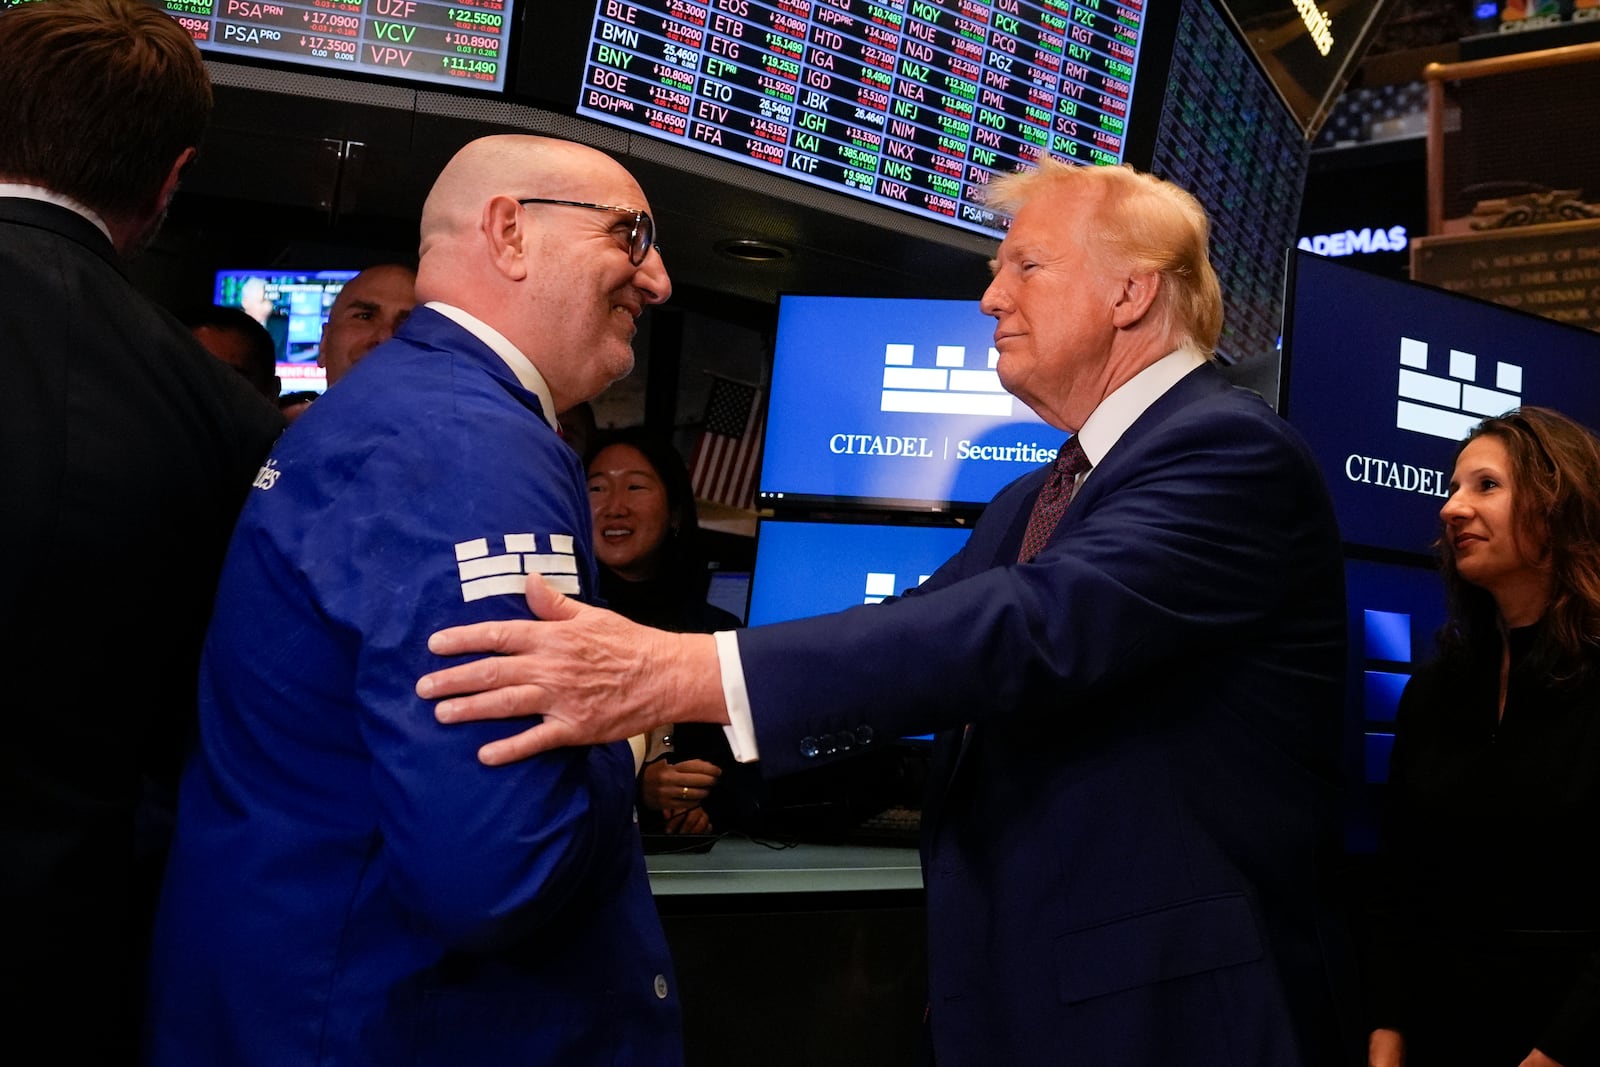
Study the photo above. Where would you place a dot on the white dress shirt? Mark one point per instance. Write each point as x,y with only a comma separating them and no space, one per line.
520,365
50,196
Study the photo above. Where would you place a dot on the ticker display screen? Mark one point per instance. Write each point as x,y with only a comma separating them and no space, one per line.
909,103
464,42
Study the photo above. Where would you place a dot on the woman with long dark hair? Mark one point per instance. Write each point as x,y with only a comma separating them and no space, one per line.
652,571
1487,949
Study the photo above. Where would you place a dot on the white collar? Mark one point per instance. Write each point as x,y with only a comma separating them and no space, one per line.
38,192
1111,418
520,365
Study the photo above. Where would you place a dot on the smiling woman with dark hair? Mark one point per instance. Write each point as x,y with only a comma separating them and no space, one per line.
1487,948
652,571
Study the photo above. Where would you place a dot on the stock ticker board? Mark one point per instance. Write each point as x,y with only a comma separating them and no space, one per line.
909,103
463,42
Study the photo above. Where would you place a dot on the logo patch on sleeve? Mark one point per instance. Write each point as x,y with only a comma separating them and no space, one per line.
267,476
484,575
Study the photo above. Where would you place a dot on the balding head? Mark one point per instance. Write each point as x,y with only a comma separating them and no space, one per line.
511,163
557,280
366,313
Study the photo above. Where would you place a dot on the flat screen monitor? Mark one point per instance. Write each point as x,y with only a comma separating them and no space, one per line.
1394,614
462,42
1364,206
1226,137
912,104
1308,50
892,403
1384,378
730,591
813,568
293,306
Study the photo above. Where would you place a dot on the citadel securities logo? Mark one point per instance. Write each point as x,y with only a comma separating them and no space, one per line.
484,575
947,387
896,401
1450,407
1446,406
881,584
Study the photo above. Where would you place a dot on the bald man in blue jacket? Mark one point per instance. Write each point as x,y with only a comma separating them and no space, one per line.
348,884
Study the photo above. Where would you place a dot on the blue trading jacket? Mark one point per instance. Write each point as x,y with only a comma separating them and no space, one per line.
348,884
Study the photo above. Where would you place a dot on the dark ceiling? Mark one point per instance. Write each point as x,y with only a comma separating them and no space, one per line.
306,172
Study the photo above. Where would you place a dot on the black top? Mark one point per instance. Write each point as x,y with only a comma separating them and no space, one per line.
1485,944
673,605
664,605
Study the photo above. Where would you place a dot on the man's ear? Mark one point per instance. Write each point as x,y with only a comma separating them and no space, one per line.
169,187
131,232
507,233
1139,292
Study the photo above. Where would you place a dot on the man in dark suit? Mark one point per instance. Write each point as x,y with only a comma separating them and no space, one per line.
125,453
1133,806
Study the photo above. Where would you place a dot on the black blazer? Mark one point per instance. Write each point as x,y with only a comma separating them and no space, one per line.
125,453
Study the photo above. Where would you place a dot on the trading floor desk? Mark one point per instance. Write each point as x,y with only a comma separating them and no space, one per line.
794,957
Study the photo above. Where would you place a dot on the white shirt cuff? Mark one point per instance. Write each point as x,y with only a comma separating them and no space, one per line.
741,728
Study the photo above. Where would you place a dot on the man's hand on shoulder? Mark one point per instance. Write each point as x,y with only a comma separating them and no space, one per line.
593,676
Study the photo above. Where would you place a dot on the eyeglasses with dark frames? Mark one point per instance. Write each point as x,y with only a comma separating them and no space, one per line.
641,237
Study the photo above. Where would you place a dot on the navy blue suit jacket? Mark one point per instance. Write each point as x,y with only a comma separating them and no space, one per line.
1126,860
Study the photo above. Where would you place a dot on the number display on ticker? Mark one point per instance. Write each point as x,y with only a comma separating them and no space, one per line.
463,42
910,103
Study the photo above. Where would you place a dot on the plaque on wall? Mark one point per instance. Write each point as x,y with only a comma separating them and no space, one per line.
1551,270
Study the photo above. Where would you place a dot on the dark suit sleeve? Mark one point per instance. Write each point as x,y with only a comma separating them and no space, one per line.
1188,537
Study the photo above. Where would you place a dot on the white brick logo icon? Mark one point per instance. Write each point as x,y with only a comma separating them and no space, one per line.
484,575
946,388
1450,405
881,584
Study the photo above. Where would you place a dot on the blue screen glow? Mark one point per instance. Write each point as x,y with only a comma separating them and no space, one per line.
893,403
812,568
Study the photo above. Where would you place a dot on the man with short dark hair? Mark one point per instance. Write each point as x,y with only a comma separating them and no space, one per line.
107,110
348,886
241,342
366,313
123,460
1134,664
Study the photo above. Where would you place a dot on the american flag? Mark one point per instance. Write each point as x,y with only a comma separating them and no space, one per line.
723,470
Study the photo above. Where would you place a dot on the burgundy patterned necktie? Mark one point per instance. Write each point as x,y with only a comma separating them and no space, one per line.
1054,497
